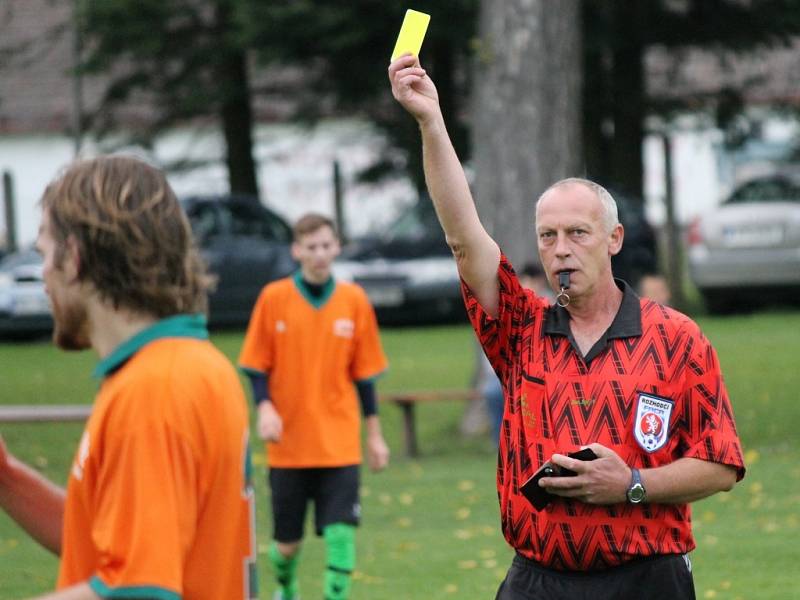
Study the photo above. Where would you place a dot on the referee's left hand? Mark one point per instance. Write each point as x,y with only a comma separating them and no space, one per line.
601,481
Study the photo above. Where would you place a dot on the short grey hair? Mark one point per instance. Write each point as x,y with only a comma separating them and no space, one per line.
610,213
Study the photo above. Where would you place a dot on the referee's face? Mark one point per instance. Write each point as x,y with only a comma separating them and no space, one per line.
316,252
573,236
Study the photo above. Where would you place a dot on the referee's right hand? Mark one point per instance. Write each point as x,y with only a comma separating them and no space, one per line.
270,424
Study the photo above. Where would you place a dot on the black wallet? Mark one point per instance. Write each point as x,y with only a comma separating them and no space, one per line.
540,497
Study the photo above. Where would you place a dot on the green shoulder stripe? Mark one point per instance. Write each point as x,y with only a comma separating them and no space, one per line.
142,592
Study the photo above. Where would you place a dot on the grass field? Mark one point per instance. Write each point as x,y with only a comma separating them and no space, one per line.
430,526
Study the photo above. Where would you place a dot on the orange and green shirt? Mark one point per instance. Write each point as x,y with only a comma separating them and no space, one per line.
158,500
314,349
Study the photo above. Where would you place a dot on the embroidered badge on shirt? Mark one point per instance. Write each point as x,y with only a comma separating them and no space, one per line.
652,421
344,328
280,326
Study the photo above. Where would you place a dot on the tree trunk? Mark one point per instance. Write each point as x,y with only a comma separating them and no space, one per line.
628,98
235,110
596,93
526,113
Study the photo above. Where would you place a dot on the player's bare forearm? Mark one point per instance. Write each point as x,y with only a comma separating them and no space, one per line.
476,253
270,424
77,592
377,449
35,503
372,424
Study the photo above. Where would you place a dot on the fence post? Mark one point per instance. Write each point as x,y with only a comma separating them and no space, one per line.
10,213
338,201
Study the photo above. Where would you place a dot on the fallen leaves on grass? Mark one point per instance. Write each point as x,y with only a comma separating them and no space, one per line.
466,485
463,513
365,578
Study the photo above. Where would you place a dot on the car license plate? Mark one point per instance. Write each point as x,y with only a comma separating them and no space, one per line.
753,236
385,295
30,304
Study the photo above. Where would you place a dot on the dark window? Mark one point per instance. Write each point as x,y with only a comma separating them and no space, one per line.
766,190
252,221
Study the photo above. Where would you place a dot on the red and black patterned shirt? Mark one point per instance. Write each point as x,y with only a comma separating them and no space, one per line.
650,389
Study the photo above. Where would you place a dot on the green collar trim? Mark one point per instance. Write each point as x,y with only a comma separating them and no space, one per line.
327,290
134,591
180,326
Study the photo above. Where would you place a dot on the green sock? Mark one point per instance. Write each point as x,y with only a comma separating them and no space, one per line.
285,571
340,540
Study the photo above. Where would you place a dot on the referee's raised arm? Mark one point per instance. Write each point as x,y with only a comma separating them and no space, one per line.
476,253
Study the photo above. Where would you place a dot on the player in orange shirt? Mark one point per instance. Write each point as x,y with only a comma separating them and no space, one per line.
312,345
158,502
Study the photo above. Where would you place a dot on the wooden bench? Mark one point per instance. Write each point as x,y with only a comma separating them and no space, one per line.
44,412
407,402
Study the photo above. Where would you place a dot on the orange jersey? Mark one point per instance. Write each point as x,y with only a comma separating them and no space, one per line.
313,350
158,500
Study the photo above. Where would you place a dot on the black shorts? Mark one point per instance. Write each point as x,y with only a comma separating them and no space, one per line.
666,577
334,491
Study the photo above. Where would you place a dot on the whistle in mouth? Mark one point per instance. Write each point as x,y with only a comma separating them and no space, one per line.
563,282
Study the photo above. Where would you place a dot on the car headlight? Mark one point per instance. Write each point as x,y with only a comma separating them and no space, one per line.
345,270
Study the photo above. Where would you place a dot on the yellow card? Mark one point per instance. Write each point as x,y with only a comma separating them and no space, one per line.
412,32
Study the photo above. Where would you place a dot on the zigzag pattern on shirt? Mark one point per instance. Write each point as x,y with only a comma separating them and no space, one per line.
557,402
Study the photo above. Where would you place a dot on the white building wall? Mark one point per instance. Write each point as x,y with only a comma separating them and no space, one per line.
295,171
696,182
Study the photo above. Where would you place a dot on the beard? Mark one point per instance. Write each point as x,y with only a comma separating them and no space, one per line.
70,326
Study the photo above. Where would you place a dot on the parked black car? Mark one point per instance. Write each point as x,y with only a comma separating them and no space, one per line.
246,246
638,255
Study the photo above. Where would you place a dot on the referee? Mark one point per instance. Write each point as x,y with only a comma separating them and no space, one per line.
633,381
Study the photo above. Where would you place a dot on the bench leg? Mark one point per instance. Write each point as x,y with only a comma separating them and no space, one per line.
409,428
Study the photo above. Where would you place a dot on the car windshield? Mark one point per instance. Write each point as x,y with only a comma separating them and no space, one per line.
766,190
239,219
416,222
18,259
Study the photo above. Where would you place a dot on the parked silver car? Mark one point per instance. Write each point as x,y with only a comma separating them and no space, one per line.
24,306
746,252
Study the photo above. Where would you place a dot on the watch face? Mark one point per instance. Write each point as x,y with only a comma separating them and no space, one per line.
636,493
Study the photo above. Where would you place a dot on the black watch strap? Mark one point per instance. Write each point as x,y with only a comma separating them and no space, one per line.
636,493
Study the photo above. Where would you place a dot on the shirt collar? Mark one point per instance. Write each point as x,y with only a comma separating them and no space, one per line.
626,323
315,301
178,326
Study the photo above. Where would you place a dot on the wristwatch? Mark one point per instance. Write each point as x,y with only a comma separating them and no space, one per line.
636,493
